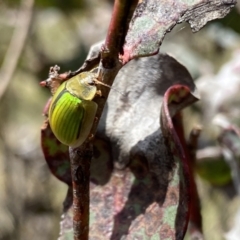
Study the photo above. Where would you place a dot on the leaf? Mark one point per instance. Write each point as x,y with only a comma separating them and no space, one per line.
138,189
153,19
172,129
214,170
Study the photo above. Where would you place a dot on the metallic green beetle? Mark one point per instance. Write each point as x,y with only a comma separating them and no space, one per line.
72,111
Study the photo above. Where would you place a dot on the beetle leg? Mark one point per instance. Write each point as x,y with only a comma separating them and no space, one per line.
91,137
95,119
98,93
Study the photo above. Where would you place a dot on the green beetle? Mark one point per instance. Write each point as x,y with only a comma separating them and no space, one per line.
72,111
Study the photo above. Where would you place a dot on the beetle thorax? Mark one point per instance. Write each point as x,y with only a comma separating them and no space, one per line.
82,87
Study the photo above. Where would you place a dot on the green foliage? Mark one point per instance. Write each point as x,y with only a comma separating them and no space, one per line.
215,171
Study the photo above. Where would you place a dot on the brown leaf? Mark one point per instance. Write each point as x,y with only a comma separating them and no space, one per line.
153,19
138,188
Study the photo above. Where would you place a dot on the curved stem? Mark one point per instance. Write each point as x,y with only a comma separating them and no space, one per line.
81,157
121,16
80,167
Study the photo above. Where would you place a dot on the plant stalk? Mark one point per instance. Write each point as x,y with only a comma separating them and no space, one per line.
81,157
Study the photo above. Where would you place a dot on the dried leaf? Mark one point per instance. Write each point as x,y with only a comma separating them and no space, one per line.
138,189
215,171
153,19
178,96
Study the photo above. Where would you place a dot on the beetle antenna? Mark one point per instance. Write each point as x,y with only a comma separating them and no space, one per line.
106,85
99,76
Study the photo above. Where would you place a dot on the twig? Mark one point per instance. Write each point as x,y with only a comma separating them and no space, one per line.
80,166
16,44
232,162
195,223
121,16
193,143
81,156
211,153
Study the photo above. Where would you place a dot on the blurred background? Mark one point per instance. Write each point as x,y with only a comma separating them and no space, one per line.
38,34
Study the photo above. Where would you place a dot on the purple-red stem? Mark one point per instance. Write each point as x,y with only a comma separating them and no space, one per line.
178,125
81,157
190,148
121,16
195,224
80,167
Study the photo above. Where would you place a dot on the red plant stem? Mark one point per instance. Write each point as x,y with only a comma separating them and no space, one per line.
16,44
80,168
121,16
190,148
195,226
178,125
81,157
116,28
